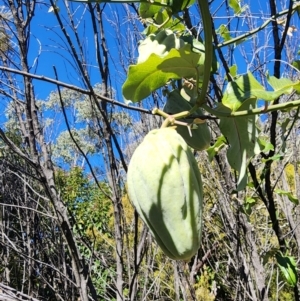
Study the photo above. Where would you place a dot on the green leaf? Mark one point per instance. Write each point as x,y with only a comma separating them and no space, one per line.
296,64
288,269
233,70
235,5
265,146
164,19
248,204
197,47
223,32
246,87
148,10
283,85
159,44
292,198
180,5
242,134
188,94
214,149
156,71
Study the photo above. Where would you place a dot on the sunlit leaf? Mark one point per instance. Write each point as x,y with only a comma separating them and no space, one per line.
236,6
159,44
233,70
246,87
283,85
156,71
265,146
223,32
148,10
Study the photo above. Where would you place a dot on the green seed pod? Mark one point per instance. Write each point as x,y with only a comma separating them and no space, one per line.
198,138
164,185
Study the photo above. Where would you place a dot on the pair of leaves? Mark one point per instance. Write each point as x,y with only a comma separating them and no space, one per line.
286,264
241,132
246,87
248,204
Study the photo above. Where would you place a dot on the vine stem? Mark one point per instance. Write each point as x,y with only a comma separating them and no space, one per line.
263,110
254,31
256,111
207,28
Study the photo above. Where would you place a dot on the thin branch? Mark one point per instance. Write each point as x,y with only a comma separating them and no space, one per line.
254,31
75,88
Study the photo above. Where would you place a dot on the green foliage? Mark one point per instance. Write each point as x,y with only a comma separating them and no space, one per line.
91,210
203,285
236,6
288,268
89,204
156,71
246,88
224,32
